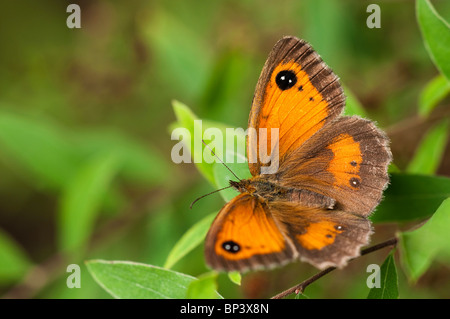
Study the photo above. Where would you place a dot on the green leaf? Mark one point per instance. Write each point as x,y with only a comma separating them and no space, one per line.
190,240
40,147
140,163
228,84
393,168
301,296
236,160
187,119
128,280
81,199
177,49
411,197
321,13
235,277
222,175
436,35
430,151
434,92
229,142
352,105
421,246
13,260
51,155
388,281
184,115
204,288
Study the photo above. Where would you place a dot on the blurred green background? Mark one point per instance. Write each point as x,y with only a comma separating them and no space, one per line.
85,116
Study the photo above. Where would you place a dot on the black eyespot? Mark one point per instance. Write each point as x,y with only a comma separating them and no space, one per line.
311,99
353,163
329,236
355,182
285,79
231,247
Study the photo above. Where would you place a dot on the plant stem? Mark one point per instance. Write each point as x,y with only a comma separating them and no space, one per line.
298,289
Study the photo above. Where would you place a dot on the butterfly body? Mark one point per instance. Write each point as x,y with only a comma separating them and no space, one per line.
269,191
331,175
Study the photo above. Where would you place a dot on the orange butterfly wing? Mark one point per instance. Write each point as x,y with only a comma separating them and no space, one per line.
349,167
346,160
249,234
297,93
340,160
322,237
245,235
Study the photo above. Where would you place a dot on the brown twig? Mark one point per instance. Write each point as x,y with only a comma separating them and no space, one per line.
298,289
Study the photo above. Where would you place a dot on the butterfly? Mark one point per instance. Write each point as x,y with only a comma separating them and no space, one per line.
331,175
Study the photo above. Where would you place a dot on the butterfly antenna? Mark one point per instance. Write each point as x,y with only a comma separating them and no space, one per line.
212,152
217,190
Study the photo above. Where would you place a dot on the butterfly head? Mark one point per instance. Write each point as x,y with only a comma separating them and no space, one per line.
243,186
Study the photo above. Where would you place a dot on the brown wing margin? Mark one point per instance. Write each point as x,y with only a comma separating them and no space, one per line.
300,111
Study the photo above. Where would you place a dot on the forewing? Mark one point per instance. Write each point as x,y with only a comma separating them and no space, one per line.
297,93
245,236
